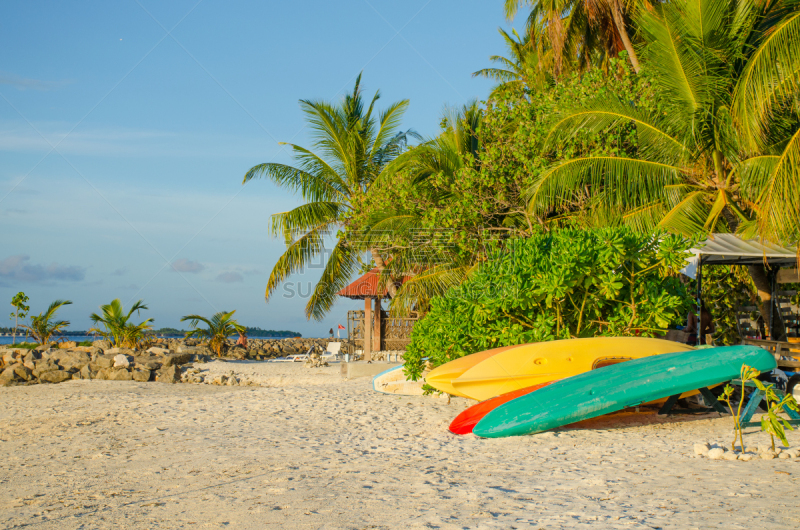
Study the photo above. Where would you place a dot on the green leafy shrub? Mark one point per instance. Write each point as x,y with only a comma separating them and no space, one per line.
558,285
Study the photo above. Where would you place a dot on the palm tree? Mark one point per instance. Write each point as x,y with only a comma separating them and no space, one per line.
117,328
721,151
42,326
588,32
399,230
529,65
219,328
354,146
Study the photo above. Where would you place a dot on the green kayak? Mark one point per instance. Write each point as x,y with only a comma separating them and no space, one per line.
618,386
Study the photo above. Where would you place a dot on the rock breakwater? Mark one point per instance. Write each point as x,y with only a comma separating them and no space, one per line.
167,361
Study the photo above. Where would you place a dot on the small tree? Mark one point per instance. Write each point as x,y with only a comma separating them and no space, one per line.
220,326
43,326
20,311
117,328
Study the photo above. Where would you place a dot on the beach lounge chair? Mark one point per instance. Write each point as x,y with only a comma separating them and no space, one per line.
332,352
301,357
297,357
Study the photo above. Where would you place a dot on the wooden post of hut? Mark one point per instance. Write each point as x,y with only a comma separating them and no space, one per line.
367,328
376,341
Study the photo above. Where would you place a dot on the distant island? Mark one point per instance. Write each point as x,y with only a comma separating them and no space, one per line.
251,331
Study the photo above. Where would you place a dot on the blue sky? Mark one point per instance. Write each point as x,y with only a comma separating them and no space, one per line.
126,128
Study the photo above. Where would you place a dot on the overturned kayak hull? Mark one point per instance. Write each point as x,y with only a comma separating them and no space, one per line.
616,387
442,376
529,365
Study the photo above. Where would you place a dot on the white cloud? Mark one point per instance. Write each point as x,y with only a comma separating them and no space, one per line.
17,268
186,265
230,277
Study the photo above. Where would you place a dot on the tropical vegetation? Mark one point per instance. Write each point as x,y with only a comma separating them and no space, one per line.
354,143
563,284
43,326
218,328
20,311
117,326
679,118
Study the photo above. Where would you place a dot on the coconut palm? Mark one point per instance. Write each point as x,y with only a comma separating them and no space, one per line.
118,329
354,144
529,64
399,229
721,150
586,32
219,328
43,327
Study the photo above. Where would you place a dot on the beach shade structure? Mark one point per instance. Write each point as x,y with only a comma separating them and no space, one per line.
730,249
615,387
372,290
528,365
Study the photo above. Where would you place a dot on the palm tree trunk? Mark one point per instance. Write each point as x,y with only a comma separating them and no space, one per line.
765,301
619,21
391,288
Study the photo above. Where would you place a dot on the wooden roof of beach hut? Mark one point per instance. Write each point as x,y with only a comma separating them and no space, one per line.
365,287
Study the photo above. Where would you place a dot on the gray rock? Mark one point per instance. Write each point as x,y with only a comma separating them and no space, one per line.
784,455
23,372
169,374
120,374
102,374
730,455
140,375
159,351
716,453
746,457
44,366
177,359
8,376
121,361
104,361
55,376
767,455
102,344
86,373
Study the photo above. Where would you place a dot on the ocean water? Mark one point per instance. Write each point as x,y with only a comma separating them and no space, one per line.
80,338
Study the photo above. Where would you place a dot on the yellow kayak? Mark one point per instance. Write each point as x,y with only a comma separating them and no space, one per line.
532,364
440,377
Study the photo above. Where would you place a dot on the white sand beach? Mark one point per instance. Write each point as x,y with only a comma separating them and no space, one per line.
314,451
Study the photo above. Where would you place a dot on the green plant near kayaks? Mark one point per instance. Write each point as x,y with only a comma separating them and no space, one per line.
118,328
747,374
771,422
43,326
219,328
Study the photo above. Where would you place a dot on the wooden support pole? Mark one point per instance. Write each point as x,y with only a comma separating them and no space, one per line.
376,340
367,329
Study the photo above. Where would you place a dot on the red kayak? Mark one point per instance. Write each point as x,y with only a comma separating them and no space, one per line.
464,422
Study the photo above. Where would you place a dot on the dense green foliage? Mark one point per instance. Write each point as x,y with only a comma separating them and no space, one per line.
558,285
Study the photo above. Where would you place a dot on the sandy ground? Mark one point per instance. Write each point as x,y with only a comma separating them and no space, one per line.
320,452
